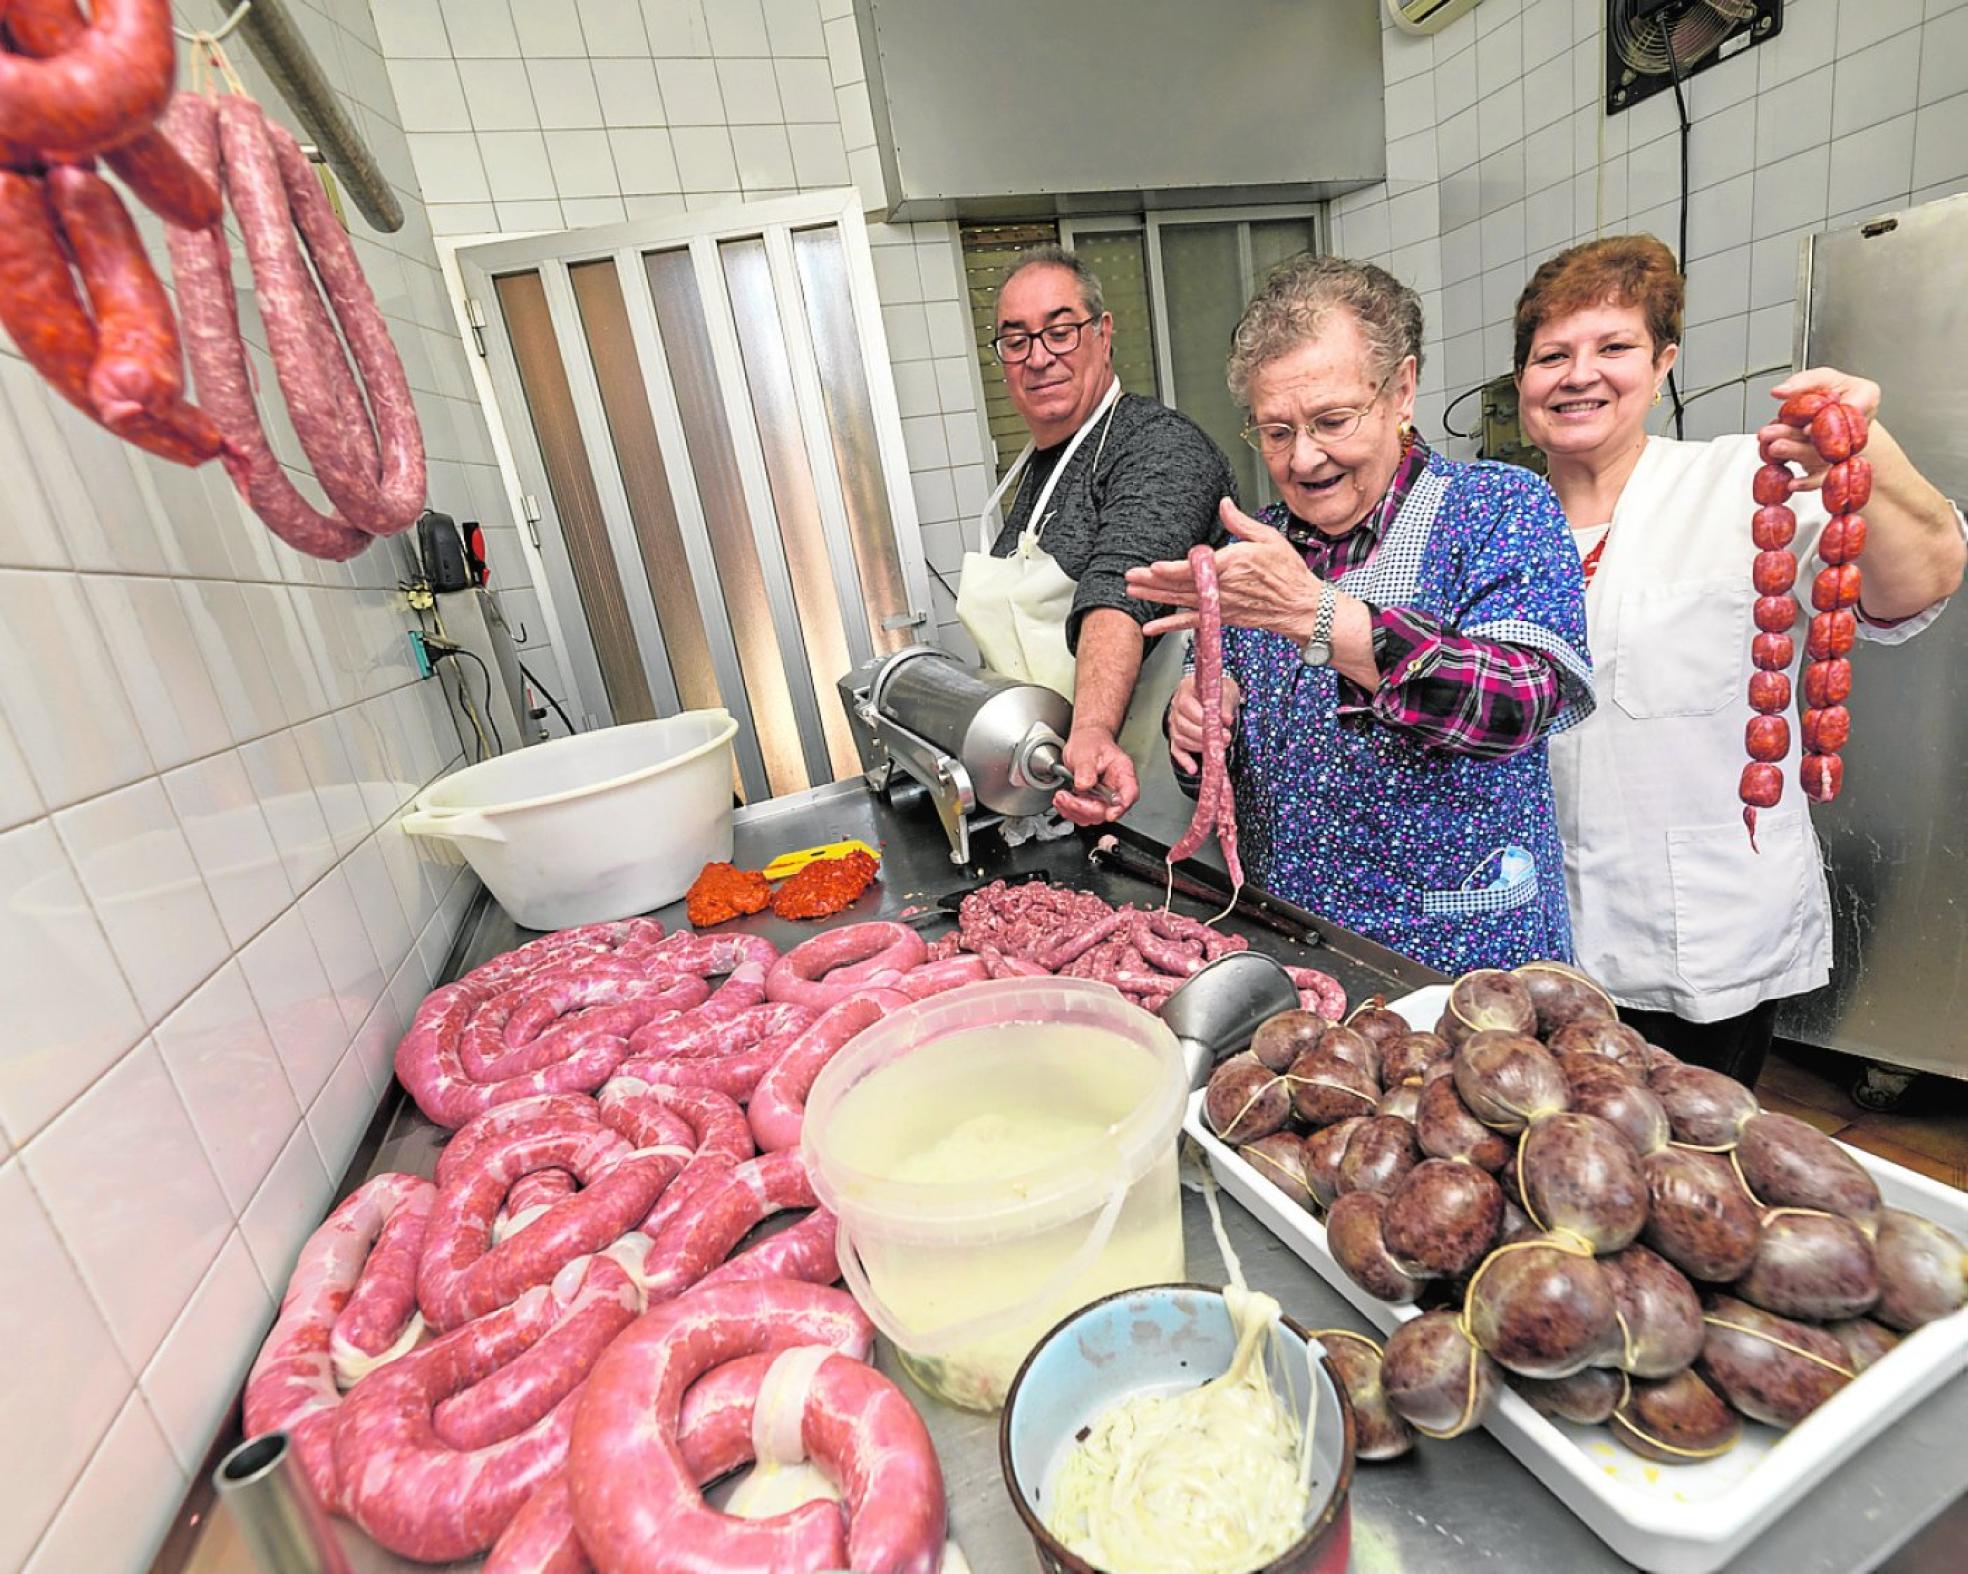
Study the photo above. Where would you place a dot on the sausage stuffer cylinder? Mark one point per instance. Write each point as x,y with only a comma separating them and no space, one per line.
280,1518
1008,735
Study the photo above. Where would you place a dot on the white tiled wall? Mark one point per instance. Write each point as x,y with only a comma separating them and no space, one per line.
1500,154
211,931
537,114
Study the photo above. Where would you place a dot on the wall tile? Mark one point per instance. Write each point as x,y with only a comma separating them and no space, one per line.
290,1202
564,92
132,1470
1455,84
51,642
431,94
547,28
219,813
1867,23
1725,146
223,1063
162,670
691,96
806,90
295,1002
1944,56
819,155
448,167
68,1394
145,886
793,28
499,95
1791,192
517,168
1456,142
628,93
644,160
613,27
125,1181
341,940
375,897
844,50
412,28
1499,56
1872,167
1793,117
1940,141
1809,40
19,799
1499,119
191,1380
339,1116
676,27
478,28
1719,216
1879,83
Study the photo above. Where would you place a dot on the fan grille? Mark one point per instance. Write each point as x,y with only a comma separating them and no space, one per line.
1696,30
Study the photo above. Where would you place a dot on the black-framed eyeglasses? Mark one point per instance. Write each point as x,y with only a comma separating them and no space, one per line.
1331,426
1061,338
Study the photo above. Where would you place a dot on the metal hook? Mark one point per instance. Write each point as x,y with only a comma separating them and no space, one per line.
520,637
224,29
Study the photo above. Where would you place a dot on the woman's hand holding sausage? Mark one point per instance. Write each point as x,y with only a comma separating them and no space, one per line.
1185,730
1261,577
1784,444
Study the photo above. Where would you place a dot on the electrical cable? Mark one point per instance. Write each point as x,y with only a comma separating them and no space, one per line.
547,695
1451,405
1681,255
491,721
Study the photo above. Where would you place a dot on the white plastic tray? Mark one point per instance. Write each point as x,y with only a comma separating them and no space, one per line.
1688,1519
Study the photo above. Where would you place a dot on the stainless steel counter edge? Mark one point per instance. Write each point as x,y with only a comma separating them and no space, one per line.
1448,1506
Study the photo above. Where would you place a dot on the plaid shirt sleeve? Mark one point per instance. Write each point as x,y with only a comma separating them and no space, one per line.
1464,696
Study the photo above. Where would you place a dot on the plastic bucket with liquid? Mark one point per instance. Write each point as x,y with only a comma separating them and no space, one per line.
999,1156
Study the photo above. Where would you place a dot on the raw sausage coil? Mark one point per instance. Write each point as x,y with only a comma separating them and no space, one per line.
636,1501
426,1500
720,1212
292,1385
463,1274
778,1107
832,966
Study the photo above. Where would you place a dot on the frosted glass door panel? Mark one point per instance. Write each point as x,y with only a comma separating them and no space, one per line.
1200,267
1272,241
625,401
693,372
564,456
775,409
851,428
1120,261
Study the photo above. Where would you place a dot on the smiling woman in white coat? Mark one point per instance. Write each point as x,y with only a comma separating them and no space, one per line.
1697,936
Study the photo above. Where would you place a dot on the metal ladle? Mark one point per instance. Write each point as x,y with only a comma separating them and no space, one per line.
1216,1011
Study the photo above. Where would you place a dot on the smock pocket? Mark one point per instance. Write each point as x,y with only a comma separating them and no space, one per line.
1738,913
1682,648
1513,882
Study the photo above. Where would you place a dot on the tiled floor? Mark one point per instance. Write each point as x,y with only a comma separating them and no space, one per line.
1928,1132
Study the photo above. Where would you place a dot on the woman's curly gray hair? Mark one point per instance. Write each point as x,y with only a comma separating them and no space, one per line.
1299,296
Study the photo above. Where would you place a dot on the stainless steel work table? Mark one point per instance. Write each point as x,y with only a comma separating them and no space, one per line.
1455,1505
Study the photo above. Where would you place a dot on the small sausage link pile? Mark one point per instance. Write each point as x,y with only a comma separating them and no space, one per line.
1035,929
1838,432
72,91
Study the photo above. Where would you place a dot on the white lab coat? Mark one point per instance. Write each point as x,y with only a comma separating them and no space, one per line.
1671,910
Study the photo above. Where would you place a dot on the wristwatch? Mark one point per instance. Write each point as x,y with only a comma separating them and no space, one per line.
1317,651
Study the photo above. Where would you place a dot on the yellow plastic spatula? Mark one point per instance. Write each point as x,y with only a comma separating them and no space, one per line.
791,863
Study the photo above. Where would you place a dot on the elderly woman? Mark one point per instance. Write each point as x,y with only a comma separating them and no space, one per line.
1400,634
1674,912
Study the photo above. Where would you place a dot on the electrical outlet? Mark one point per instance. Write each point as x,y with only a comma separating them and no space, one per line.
422,652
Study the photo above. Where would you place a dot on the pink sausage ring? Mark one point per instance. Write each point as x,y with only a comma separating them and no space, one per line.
861,952
292,1385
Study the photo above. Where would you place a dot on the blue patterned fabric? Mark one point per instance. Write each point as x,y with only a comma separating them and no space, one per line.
1416,847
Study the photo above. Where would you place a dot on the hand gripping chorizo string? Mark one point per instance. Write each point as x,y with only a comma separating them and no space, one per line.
1216,808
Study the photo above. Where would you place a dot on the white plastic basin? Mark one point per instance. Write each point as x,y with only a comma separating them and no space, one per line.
601,825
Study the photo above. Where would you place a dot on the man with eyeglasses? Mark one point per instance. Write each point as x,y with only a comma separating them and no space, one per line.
1109,481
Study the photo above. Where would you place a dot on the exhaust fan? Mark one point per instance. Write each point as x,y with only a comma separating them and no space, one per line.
1649,42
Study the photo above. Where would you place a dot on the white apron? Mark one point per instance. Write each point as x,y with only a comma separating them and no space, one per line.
1014,608
1671,910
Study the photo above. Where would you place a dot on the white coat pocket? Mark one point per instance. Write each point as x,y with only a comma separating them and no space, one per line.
1738,913
1683,649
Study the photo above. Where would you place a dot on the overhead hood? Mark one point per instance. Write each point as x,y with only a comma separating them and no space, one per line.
1034,108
